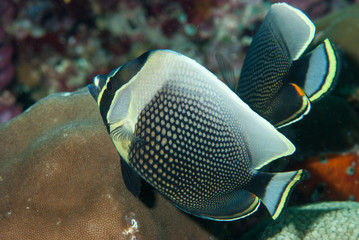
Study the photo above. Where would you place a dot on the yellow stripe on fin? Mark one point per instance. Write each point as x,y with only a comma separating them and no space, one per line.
297,177
332,70
250,210
273,189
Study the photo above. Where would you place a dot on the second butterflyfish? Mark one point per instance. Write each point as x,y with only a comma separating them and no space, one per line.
280,76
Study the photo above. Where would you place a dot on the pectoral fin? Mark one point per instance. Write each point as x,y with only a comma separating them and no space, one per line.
123,133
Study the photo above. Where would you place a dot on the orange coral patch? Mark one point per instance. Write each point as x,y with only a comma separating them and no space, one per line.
337,173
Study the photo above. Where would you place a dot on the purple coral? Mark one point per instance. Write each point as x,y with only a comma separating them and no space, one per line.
6,50
8,109
6,66
7,11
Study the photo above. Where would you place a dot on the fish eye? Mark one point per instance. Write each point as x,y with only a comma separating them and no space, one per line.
109,86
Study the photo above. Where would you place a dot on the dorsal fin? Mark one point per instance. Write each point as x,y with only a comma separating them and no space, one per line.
294,29
263,142
227,71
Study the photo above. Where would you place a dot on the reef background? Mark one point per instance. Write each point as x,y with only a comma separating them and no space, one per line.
54,46
60,45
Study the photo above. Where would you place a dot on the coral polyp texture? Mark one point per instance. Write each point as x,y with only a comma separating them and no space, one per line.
60,178
328,220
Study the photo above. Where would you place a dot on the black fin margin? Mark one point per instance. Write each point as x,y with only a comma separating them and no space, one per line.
289,106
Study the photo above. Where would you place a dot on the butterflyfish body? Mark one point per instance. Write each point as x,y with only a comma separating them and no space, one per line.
182,130
280,77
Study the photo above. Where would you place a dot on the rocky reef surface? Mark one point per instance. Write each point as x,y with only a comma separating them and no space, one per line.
60,178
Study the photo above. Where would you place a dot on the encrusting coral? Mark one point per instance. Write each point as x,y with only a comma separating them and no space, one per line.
60,178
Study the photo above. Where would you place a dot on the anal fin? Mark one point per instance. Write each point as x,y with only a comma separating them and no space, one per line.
235,205
289,106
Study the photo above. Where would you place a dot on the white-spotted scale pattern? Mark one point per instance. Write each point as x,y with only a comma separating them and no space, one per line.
188,149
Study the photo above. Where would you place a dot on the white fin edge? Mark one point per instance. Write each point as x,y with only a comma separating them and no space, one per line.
295,27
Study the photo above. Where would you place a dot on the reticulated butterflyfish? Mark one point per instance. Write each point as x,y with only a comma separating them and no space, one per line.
183,131
280,77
